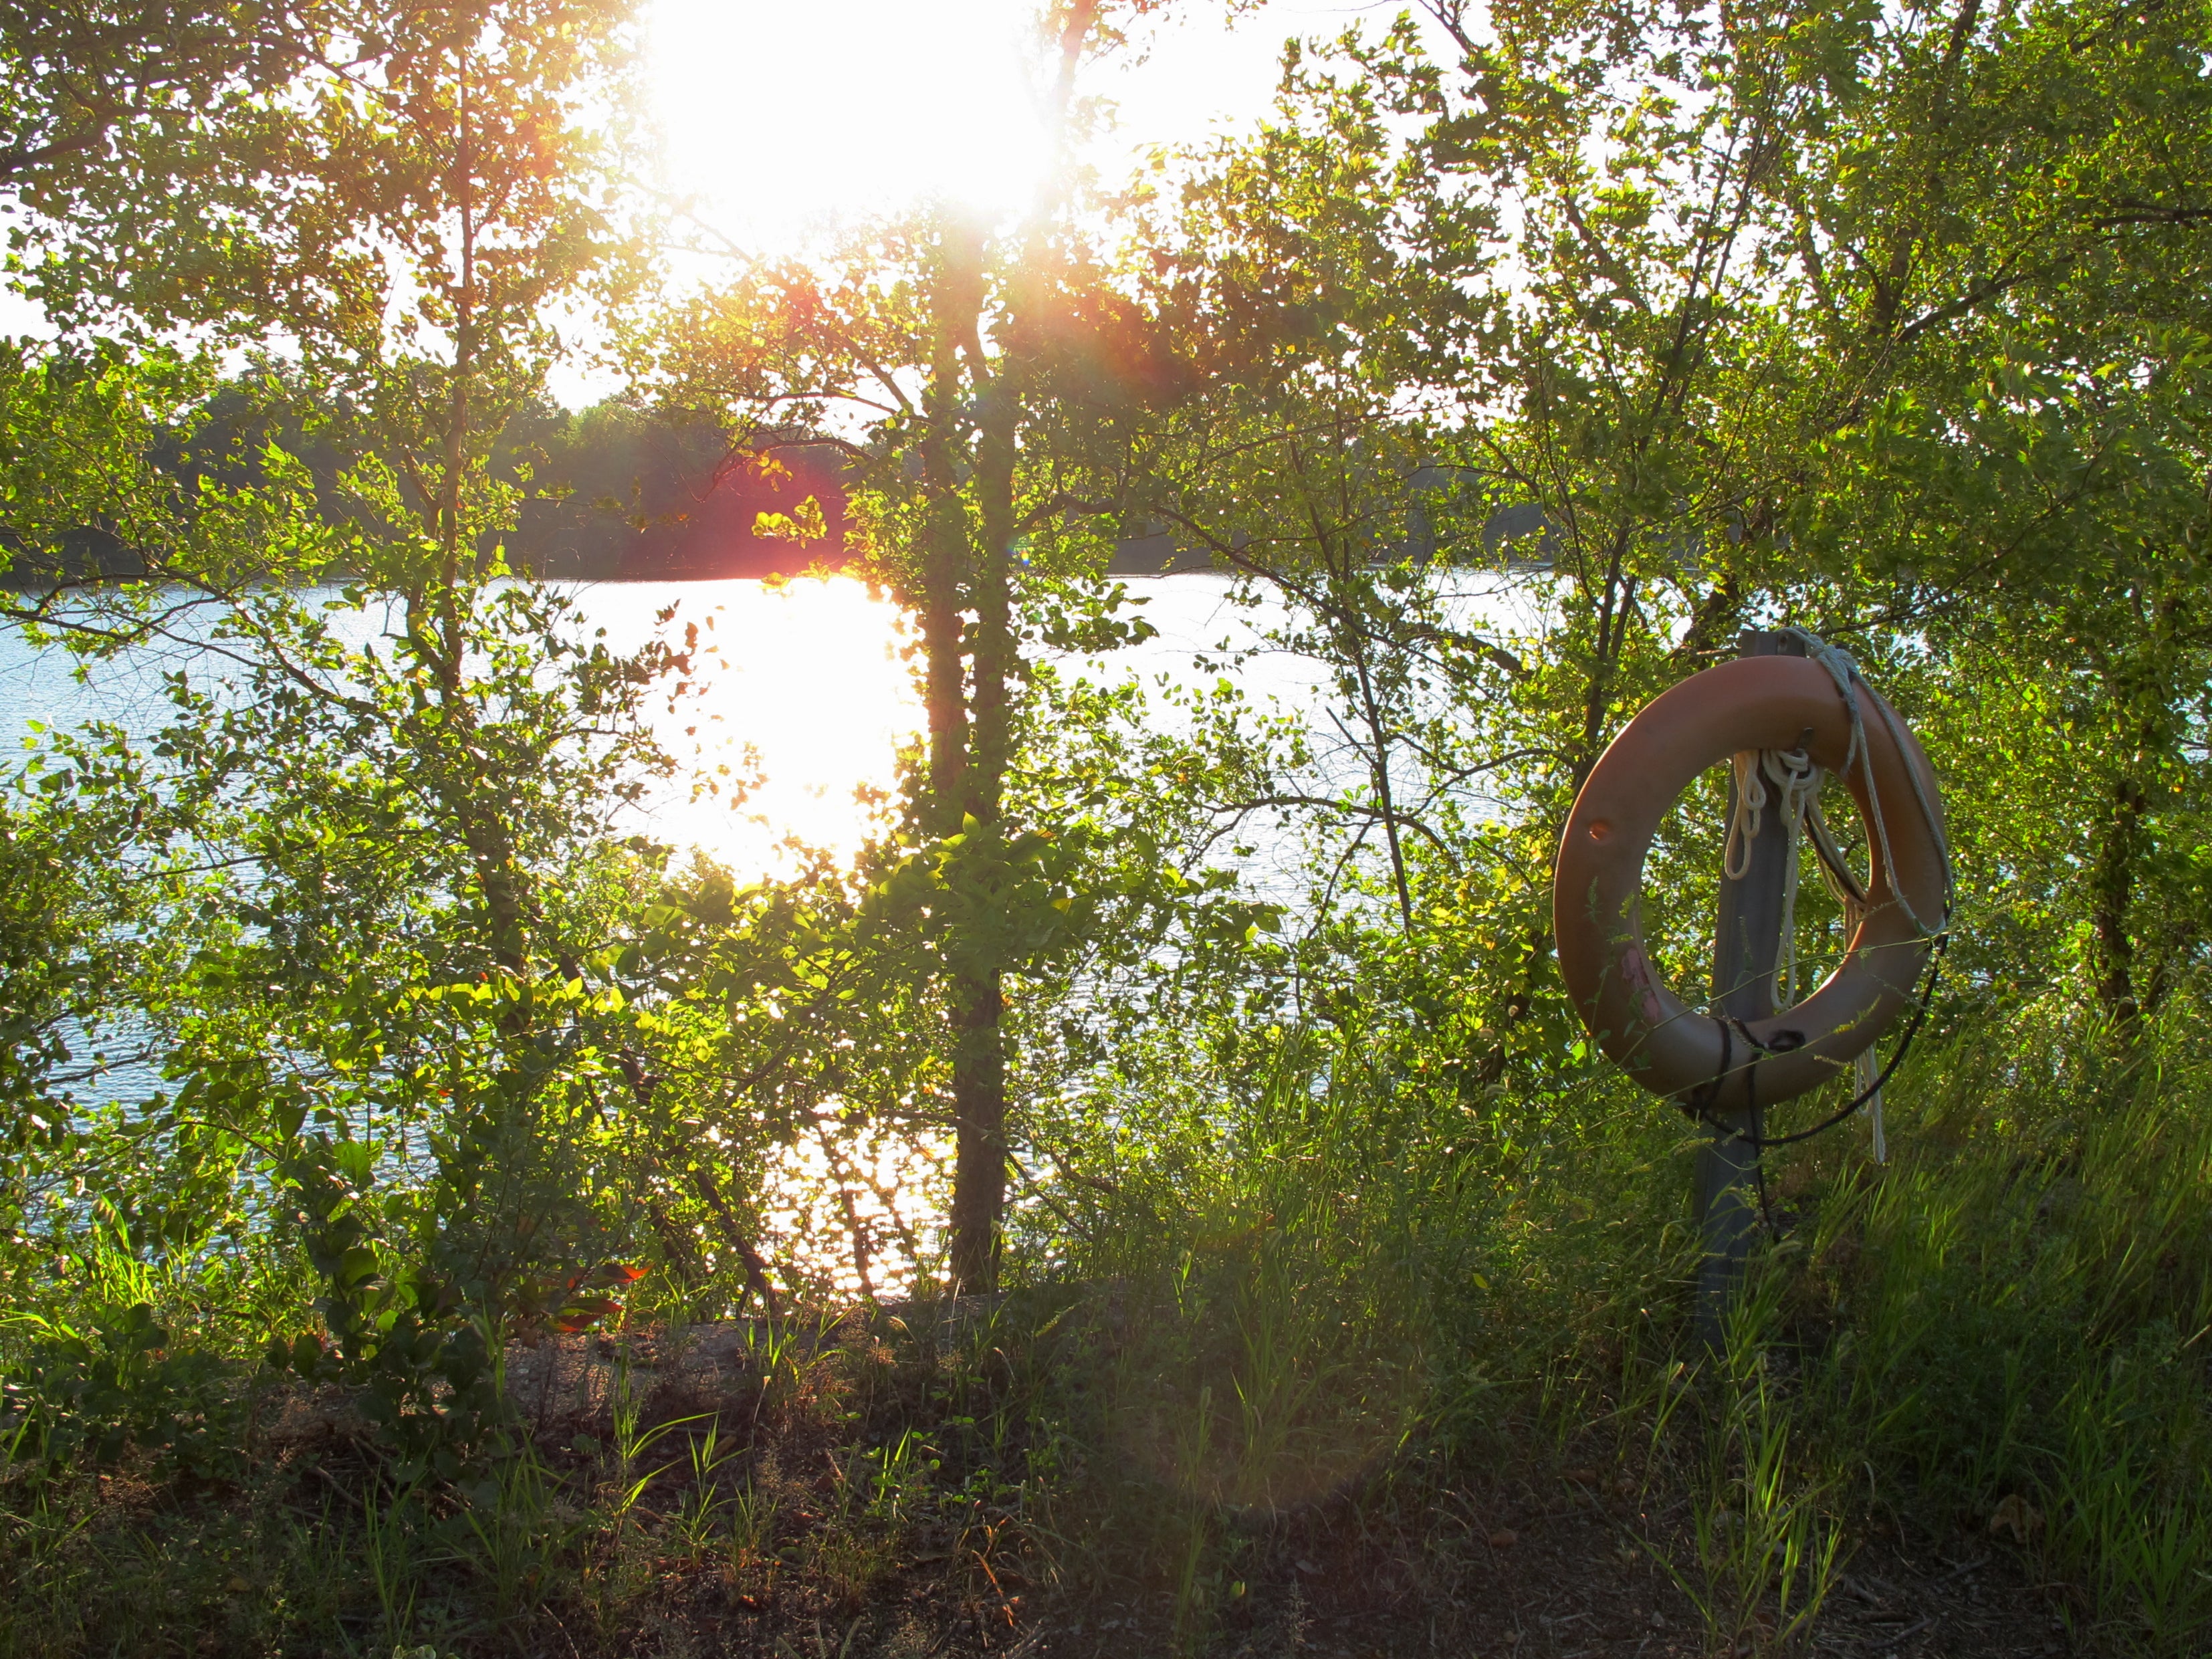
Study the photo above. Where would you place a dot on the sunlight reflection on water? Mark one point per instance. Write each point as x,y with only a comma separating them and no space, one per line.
858,1208
803,692
800,699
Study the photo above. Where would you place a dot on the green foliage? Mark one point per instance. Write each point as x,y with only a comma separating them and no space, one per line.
74,1399
1504,382
420,1349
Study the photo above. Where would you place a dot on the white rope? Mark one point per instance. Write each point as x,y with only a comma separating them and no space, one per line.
1799,781
1743,820
1865,1070
1795,780
1843,671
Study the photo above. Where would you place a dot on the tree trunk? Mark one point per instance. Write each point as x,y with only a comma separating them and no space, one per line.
945,559
979,1072
979,1062
979,1097
2144,682
968,673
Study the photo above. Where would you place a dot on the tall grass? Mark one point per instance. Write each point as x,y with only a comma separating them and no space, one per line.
2006,1325
1340,1296
2012,1322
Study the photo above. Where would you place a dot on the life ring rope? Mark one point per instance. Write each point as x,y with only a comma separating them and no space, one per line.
1870,1093
1844,671
1791,781
1785,722
1797,782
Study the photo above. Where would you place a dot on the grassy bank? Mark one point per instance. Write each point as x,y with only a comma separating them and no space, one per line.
1372,1378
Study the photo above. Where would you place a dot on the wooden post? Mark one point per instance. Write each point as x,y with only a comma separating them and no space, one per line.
1746,946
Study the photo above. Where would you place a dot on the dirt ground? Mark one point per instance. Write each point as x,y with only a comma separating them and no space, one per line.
1561,1564
1562,1587
1532,1556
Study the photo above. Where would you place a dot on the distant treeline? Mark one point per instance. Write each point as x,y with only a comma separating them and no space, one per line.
617,493
614,494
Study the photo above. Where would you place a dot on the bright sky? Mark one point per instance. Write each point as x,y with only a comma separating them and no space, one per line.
779,116
784,117
782,120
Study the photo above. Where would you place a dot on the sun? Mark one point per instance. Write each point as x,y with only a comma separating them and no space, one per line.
782,120
783,117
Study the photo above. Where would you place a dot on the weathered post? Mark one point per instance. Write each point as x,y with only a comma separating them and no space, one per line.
1746,946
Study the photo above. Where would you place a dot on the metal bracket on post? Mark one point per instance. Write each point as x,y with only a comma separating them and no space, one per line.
1746,946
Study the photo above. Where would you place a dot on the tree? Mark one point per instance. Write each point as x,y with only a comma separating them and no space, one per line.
1728,313
927,353
406,1015
2018,478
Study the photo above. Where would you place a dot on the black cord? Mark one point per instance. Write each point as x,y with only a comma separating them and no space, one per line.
1758,1145
1700,1105
1702,1108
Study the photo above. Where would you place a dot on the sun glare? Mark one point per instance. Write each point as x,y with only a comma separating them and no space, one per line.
782,120
808,678
782,117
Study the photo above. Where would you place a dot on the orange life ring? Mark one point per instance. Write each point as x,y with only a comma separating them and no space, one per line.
1752,702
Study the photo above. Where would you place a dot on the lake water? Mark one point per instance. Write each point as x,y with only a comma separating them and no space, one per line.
807,687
